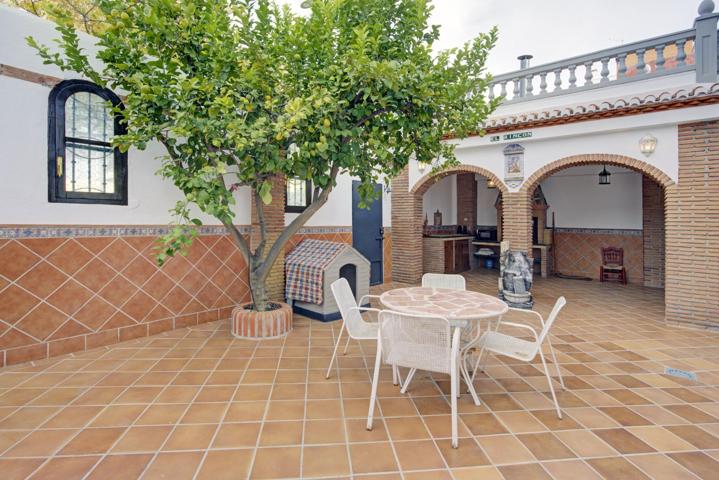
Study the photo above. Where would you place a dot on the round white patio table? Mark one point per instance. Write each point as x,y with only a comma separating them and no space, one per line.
460,307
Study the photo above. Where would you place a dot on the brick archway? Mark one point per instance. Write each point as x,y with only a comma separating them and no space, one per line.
520,219
407,218
593,159
424,183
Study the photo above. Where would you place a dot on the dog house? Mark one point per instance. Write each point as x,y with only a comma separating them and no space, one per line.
311,268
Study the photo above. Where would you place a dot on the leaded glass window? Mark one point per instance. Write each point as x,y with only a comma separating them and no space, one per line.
298,195
84,166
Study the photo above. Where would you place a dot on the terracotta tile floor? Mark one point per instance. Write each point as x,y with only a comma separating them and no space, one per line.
196,403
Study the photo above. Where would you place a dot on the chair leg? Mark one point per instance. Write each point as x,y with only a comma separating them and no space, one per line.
344,352
453,394
334,352
375,382
556,364
551,387
395,375
409,378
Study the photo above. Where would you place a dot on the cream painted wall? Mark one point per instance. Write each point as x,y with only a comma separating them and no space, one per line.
442,196
578,201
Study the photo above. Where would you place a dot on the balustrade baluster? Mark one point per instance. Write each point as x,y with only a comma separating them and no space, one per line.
605,70
490,91
516,90
558,79
572,76
530,86
621,66
641,65
681,53
660,57
588,74
503,92
543,83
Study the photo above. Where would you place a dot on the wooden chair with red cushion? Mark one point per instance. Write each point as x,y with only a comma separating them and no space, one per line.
613,265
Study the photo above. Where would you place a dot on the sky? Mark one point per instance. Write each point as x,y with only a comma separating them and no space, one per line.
551,30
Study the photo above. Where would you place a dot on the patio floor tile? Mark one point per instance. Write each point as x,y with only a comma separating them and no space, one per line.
198,403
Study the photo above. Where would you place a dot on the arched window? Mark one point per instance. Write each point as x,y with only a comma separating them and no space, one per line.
83,166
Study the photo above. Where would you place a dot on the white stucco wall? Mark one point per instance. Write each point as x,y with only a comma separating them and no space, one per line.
338,210
23,152
486,197
578,201
441,196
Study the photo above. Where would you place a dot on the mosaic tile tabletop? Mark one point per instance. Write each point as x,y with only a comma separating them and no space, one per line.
452,304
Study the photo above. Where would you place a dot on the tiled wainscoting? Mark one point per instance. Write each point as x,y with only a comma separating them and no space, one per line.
579,251
68,289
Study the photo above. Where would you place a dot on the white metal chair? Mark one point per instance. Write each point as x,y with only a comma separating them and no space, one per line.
417,342
352,319
442,280
523,350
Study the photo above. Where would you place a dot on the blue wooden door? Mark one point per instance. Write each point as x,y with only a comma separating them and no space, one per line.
367,232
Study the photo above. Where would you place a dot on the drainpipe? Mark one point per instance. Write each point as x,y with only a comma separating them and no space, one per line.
523,65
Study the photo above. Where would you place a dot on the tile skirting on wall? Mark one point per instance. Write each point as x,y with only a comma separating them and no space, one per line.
65,289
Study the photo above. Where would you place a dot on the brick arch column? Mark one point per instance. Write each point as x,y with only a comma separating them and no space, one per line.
275,224
407,219
691,292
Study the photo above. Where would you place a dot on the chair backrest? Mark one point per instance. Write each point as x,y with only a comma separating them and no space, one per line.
558,305
612,256
416,341
347,305
443,280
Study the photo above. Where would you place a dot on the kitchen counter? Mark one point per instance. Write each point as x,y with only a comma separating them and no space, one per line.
451,236
543,254
446,253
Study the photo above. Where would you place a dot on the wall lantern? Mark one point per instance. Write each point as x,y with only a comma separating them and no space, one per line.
647,144
421,166
604,176
490,183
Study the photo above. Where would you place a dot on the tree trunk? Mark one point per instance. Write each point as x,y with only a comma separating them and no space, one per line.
258,289
260,260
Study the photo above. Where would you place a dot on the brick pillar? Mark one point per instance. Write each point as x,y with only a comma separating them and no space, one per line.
692,223
275,221
406,231
467,200
653,232
517,220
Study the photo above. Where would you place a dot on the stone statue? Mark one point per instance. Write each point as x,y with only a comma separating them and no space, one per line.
515,277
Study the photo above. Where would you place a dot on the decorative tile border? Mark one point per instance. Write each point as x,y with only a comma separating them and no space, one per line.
10,232
62,231
601,231
319,230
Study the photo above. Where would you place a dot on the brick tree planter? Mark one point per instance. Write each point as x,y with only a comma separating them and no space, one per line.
246,323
